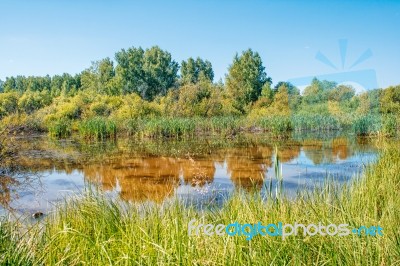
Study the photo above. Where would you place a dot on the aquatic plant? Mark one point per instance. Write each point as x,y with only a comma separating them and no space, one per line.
97,128
60,128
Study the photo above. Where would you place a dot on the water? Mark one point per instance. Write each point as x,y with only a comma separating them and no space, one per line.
140,171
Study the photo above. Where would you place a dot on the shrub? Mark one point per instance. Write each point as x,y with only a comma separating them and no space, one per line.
8,103
31,101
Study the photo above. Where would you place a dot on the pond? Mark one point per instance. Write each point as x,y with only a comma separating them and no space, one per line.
160,170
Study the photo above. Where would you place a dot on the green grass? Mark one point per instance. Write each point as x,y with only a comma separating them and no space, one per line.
60,128
169,127
366,125
94,230
315,122
100,128
97,128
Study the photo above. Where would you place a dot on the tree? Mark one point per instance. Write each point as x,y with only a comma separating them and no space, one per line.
292,90
342,93
246,79
280,105
149,73
318,91
1,86
293,93
99,78
194,70
65,84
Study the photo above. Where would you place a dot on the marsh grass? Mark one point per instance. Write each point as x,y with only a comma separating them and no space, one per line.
60,129
169,127
97,128
100,128
315,122
95,230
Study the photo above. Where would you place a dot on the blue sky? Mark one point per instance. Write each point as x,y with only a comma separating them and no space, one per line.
53,37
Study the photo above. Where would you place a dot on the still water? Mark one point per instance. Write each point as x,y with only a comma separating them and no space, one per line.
140,171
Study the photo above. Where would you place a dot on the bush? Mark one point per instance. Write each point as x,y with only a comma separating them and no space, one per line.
8,103
31,101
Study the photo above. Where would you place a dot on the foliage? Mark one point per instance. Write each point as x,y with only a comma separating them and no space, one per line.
143,85
8,103
149,72
246,79
192,71
32,101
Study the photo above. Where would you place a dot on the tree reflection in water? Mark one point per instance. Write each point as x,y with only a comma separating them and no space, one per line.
141,174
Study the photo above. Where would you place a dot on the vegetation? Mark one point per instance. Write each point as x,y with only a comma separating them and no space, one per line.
97,128
96,230
142,94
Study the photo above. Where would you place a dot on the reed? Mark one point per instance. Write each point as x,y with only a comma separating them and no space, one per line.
97,128
60,128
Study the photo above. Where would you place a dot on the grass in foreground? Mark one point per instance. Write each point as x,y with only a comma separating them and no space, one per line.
95,231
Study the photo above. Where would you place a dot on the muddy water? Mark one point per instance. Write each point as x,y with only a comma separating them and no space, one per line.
160,170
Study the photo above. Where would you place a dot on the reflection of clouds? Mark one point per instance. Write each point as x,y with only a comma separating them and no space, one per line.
15,186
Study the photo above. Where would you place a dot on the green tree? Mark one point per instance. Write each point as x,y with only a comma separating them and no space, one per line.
293,93
246,79
318,91
64,84
99,78
280,105
200,99
341,93
1,86
149,73
292,90
194,70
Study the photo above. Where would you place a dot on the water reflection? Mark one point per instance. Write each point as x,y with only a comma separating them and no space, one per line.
138,174
6,184
138,178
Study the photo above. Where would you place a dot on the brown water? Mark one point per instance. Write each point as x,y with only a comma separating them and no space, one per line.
161,170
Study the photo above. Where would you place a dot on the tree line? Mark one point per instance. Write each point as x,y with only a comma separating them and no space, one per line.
188,89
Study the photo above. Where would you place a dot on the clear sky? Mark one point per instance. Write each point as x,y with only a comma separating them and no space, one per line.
52,37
